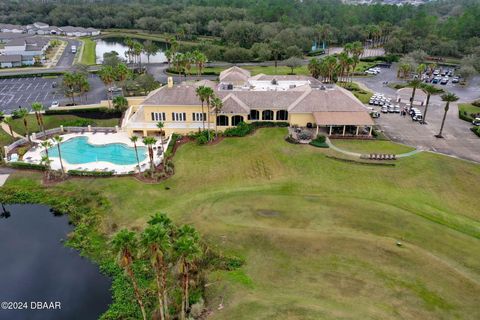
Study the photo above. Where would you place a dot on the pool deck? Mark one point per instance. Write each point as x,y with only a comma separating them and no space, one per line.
34,155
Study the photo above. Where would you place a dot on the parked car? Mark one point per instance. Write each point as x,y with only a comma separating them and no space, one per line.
444,81
391,108
396,109
114,89
455,80
476,122
384,109
436,80
417,117
55,104
375,114
436,72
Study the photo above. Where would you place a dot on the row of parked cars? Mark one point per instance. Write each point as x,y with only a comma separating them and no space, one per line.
441,76
379,99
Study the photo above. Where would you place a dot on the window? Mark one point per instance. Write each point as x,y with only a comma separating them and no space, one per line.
198,116
254,115
158,116
236,120
282,115
222,121
267,115
179,116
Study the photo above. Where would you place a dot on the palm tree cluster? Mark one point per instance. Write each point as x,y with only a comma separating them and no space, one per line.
173,254
75,83
337,68
183,62
214,105
114,74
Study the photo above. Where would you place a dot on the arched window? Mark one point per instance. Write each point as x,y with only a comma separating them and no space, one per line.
282,115
254,115
222,121
236,120
267,115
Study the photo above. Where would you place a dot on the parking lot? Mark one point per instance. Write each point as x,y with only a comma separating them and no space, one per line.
458,140
22,92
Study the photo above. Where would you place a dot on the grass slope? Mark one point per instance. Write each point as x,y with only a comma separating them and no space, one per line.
88,52
54,121
318,235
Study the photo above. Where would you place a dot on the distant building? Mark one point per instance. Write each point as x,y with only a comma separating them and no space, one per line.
5,27
16,60
41,28
23,51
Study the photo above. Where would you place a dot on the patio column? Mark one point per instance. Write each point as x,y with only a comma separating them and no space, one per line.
330,132
357,130
370,133
144,133
316,133
344,127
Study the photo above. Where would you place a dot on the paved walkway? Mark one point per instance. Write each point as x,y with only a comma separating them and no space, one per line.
358,155
5,128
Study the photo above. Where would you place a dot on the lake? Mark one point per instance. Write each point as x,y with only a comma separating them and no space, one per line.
118,44
36,267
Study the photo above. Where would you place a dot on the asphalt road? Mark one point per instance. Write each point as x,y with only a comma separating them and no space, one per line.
23,92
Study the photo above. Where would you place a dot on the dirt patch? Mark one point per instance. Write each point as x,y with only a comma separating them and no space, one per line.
268,213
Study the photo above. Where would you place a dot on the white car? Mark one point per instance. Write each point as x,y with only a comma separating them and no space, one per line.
476,122
384,109
54,105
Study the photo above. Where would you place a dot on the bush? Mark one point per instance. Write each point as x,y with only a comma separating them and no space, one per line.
464,116
93,113
81,173
201,137
78,123
476,130
266,124
241,130
26,165
319,142
291,139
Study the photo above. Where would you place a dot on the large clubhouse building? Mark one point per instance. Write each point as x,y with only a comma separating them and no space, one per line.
299,100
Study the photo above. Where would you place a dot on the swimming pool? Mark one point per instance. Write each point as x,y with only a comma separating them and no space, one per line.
77,151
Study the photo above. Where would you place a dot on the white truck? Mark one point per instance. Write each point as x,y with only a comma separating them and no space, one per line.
74,49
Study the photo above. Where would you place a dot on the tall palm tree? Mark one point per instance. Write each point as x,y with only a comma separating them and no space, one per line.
121,73
46,144
23,113
201,94
8,121
150,49
46,161
137,51
134,139
58,140
38,108
107,75
447,97
149,142
188,250
314,68
156,239
160,126
208,99
429,89
125,243
217,106
415,83
200,59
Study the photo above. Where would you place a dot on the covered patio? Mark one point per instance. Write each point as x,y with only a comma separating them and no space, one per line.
337,123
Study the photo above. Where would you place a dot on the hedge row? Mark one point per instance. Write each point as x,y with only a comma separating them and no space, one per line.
81,173
95,113
30,75
242,129
464,116
476,130
26,165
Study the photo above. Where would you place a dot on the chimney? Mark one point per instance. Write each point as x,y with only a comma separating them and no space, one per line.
169,82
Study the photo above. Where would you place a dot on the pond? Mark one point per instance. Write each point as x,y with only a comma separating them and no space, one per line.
118,44
36,267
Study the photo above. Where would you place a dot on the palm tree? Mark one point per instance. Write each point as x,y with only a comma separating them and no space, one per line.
46,144
149,142
217,106
137,51
429,89
23,113
121,73
107,75
201,94
160,126
8,121
314,67
58,140
447,97
156,239
38,107
188,250
415,83
134,139
208,98
404,70
46,161
125,244
150,49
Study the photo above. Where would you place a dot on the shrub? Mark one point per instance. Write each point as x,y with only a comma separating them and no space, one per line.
93,113
465,116
201,137
291,139
319,142
78,123
476,130
26,165
241,130
81,173
266,124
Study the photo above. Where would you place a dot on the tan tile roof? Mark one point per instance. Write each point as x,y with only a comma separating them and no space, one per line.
183,94
265,99
231,104
234,74
341,118
337,99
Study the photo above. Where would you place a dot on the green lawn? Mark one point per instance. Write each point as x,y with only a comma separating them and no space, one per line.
469,109
54,121
372,146
88,52
318,235
362,95
5,138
